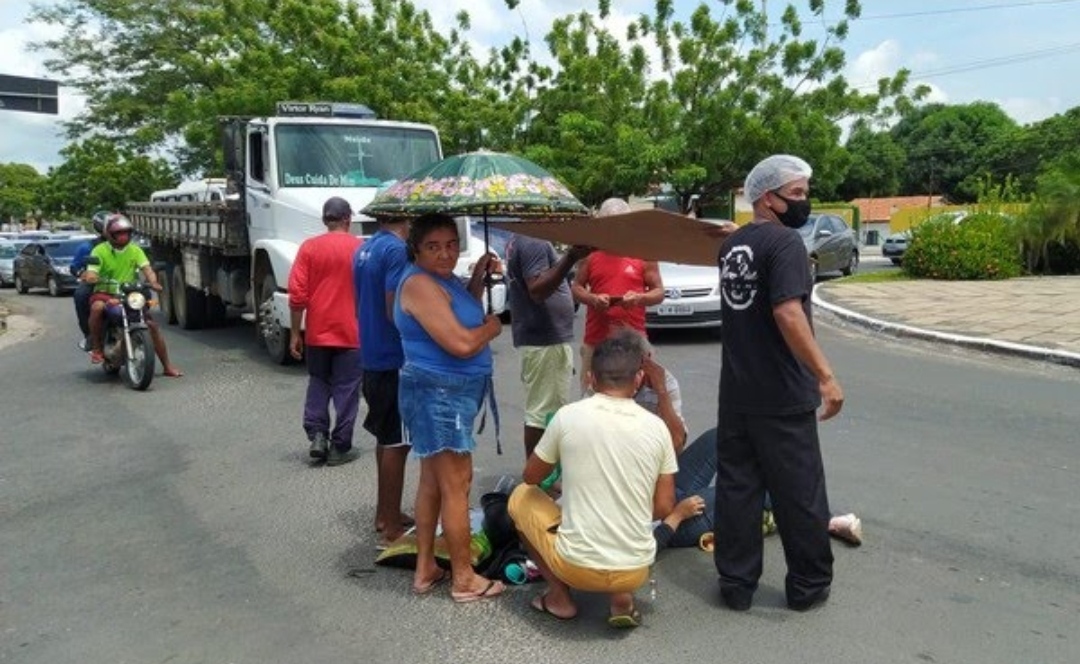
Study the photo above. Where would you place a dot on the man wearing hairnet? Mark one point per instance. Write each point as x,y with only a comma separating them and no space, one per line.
773,379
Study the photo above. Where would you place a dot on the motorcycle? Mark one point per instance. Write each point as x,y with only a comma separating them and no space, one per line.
127,345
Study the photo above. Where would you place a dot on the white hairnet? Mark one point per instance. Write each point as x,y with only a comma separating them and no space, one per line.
613,206
774,172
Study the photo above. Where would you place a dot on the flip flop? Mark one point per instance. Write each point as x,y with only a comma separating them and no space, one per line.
172,373
625,620
433,584
493,589
542,607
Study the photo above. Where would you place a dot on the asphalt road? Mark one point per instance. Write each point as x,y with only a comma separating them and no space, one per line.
184,525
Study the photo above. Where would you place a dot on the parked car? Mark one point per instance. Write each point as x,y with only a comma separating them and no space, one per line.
45,264
895,245
691,298
830,244
7,263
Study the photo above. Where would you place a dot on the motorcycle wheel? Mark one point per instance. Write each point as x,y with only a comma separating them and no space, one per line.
139,366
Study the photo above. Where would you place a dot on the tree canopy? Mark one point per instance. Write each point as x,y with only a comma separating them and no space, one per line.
98,174
20,190
689,102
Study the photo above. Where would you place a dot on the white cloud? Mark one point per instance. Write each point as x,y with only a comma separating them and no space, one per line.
884,60
32,138
1026,110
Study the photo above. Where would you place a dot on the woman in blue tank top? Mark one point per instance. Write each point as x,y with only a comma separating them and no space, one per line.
447,374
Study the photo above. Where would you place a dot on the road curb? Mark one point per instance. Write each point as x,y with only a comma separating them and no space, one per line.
979,343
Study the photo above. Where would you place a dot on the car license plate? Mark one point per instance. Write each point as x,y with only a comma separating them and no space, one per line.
675,310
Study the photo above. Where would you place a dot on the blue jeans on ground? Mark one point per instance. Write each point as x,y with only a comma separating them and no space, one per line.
334,376
697,468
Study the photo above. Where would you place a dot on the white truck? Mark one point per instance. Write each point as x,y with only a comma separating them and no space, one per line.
213,256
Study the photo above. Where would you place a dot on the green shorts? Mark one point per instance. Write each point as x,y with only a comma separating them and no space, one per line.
546,372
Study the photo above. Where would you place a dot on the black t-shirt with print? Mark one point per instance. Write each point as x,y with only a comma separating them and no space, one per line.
761,265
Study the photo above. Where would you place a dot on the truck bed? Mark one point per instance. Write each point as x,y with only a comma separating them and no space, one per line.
218,226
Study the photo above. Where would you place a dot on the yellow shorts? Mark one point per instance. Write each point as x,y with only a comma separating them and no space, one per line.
537,518
546,373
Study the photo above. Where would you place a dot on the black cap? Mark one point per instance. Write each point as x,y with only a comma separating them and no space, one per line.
336,209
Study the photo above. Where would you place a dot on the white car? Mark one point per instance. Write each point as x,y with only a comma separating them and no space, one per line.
691,298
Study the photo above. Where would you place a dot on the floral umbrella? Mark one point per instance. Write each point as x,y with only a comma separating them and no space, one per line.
479,183
495,183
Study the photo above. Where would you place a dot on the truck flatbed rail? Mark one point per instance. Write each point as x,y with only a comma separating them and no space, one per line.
217,226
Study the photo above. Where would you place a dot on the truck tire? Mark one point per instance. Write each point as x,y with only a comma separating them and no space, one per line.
215,311
189,304
165,297
273,336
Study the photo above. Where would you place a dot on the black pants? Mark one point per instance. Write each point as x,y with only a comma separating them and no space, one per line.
781,454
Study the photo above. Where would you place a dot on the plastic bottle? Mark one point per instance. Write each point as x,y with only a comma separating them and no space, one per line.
516,572
652,586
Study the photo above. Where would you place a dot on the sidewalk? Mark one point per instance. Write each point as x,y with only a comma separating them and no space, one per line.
1037,317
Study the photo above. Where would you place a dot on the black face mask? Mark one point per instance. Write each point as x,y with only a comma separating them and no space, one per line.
796,214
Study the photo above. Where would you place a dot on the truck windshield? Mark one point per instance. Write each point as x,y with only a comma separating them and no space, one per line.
351,155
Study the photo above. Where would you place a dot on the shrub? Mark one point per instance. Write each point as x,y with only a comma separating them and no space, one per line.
982,246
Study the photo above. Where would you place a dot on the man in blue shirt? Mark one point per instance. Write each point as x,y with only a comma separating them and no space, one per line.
377,268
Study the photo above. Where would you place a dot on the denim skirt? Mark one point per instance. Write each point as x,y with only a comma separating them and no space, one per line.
439,409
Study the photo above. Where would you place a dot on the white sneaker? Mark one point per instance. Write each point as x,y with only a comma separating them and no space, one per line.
847,527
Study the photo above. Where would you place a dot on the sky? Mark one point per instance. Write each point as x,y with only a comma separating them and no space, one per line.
1021,54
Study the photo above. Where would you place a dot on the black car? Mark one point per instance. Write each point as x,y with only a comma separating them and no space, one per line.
830,244
46,264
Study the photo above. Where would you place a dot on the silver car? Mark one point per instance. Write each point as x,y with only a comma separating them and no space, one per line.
7,263
691,298
830,245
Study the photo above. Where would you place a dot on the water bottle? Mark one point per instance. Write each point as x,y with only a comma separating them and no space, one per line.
516,572
652,585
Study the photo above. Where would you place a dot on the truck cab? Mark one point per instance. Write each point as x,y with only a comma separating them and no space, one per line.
222,245
287,165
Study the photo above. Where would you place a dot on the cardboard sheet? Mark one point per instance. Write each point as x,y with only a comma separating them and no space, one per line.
648,234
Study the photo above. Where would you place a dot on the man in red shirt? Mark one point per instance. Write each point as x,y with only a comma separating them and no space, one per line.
321,286
616,291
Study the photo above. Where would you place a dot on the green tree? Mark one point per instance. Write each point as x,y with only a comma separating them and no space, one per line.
98,174
1036,148
159,73
1053,220
948,147
876,166
725,91
20,191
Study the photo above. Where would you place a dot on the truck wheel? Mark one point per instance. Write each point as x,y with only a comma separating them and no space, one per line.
189,304
20,285
54,288
273,335
165,297
215,311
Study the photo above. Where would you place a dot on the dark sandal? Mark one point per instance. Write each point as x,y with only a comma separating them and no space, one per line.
543,608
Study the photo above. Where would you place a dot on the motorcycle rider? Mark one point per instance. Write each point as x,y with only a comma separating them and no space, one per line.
84,289
119,261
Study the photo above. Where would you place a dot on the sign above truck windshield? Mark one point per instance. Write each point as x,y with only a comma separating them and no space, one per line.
311,155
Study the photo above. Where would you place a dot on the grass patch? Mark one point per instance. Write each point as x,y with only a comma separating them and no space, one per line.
875,277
